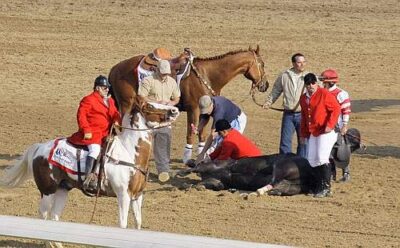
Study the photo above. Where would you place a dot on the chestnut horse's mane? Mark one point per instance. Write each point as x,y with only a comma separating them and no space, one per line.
223,55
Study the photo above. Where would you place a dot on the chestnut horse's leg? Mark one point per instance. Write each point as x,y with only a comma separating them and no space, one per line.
192,118
137,210
124,94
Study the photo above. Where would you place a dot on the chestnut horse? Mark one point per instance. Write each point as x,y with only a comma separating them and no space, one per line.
125,167
207,76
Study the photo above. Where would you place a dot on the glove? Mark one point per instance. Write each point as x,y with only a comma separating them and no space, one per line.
87,136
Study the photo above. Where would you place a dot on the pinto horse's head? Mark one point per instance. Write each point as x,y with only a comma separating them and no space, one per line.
155,114
256,72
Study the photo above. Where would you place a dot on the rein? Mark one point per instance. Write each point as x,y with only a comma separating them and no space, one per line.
116,161
254,85
278,109
200,77
208,86
143,129
101,169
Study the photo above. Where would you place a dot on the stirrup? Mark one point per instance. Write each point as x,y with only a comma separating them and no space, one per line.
90,183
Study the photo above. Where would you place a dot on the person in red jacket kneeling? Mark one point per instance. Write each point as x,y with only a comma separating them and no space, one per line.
96,114
234,145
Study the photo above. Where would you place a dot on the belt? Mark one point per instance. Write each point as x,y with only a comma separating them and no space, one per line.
291,111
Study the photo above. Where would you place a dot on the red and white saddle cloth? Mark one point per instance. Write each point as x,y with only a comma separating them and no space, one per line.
64,156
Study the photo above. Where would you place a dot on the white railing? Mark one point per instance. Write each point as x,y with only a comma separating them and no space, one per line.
22,227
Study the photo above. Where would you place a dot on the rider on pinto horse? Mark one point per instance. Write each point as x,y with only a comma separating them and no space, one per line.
96,114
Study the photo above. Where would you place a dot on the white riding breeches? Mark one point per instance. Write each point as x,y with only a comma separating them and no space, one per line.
94,150
239,123
320,147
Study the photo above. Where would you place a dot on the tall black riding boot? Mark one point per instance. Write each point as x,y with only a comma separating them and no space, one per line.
318,180
90,179
325,180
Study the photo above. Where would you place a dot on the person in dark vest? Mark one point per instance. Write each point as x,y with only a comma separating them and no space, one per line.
95,116
217,107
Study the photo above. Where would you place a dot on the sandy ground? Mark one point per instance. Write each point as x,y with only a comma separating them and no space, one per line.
51,51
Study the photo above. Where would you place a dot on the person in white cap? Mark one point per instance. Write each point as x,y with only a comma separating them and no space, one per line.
218,107
161,88
148,65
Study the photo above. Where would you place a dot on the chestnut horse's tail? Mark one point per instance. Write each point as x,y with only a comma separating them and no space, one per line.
21,171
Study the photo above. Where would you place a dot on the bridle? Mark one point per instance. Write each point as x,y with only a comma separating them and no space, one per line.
143,112
261,72
256,84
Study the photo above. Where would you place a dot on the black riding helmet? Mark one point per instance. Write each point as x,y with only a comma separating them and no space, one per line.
101,81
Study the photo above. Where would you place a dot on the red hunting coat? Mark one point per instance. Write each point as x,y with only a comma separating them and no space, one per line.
235,146
323,110
94,117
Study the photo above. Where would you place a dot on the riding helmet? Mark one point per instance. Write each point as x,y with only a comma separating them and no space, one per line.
329,75
101,81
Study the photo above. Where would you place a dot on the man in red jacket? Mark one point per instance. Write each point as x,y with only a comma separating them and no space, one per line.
319,114
234,145
96,114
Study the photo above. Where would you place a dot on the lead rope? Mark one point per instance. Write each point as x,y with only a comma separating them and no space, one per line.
280,109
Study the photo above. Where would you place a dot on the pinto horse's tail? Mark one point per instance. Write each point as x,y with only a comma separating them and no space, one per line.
21,171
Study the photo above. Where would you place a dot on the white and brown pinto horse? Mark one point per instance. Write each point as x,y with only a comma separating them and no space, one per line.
125,167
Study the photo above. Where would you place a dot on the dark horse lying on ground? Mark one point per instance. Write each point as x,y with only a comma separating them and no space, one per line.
287,173
279,174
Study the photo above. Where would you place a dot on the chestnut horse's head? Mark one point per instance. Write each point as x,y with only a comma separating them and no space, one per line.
155,115
256,72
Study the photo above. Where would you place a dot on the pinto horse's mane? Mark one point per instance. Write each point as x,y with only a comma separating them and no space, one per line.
224,55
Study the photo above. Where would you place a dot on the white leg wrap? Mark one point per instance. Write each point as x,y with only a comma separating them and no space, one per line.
263,190
200,147
187,153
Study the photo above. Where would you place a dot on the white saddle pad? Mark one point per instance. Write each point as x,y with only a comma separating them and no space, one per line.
64,156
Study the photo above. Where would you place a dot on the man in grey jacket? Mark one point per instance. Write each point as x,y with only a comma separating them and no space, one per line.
290,83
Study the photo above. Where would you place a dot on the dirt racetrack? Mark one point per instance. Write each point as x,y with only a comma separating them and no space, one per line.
51,51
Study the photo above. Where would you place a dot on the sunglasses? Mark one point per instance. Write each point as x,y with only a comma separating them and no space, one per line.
310,83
